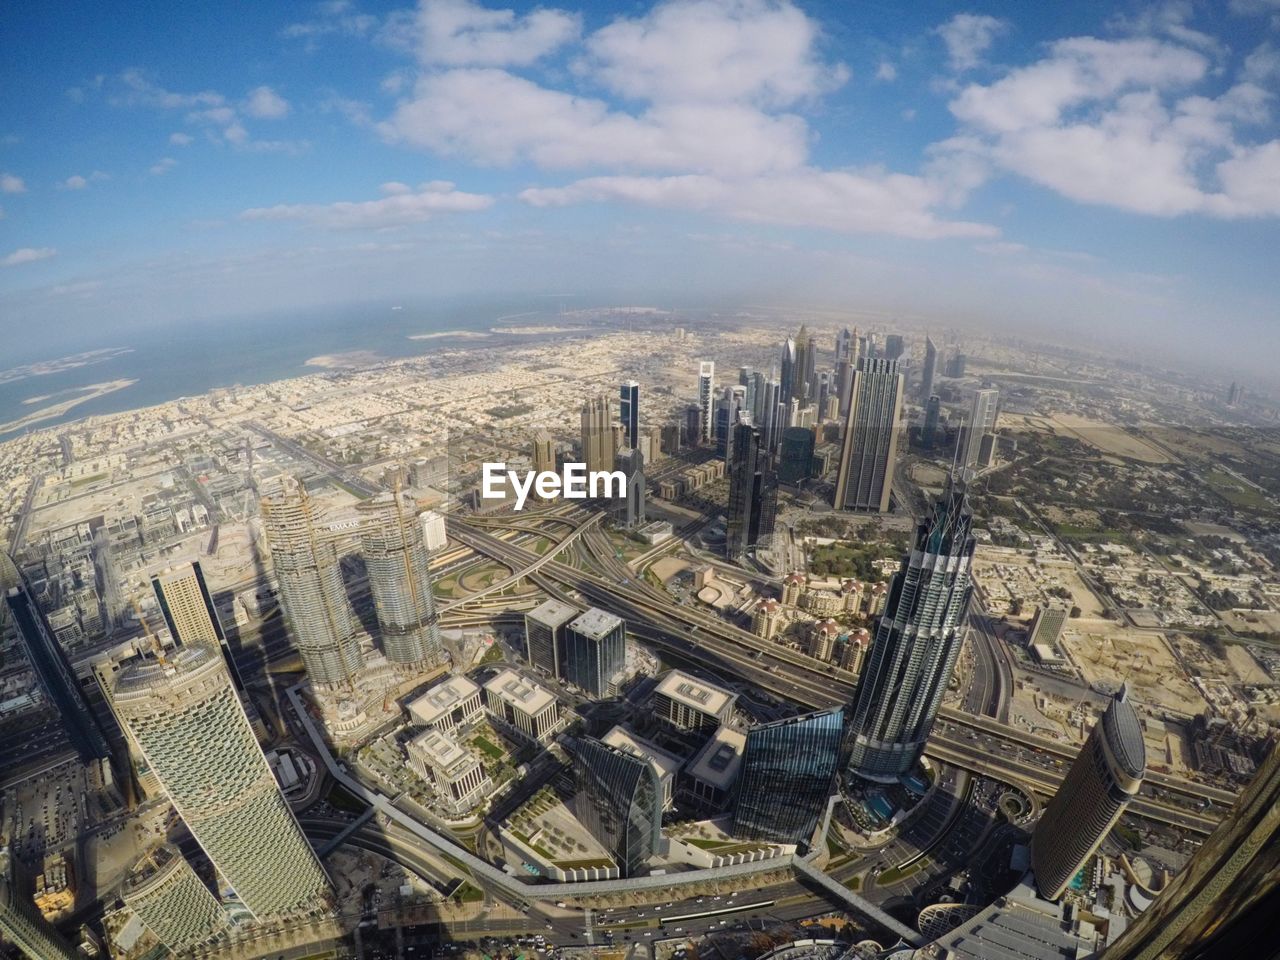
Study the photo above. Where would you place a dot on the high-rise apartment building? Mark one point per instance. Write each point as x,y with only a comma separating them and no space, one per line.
544,628
916,645
706,397
804,383
190,614
787,777
1105,776
629,412
929,371
982,423
595,651
1223,902
21,923
311,588
597,434
184,715
396,559
544,452
871,436
172,901
753,492
619,800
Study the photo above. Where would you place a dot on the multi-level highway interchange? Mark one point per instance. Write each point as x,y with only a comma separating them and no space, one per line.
1137,493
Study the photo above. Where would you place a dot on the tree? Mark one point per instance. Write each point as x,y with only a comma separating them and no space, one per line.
1075,613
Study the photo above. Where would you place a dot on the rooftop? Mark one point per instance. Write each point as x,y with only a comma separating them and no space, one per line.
1124,735
665,764
521,692
442,698
718,761
553,613
439,750
596,623
695,693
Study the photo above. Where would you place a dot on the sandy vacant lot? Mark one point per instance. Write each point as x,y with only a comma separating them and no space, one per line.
1109,438
1110,654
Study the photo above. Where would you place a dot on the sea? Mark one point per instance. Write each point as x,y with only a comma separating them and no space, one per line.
188,359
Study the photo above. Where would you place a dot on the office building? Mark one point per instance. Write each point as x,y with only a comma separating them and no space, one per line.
804,382
1046,627
619,800
172,901
665,764
787,777
595,652
706,397
685,703
448,706
544,452
955,366
1235,394
770,424
871,436
312,592
629,412
753,493
932,416
629,510
845,344
894,346
185,716
1223,902
21,923
787,371
396,559
694,431
460,781
916,645
929,371
981,424
795,455
434,534
712,772
597,435
1105,776
525,707
544,627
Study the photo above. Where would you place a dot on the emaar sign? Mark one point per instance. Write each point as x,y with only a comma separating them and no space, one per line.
574,482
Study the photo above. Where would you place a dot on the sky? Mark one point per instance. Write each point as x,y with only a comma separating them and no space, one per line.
1093,173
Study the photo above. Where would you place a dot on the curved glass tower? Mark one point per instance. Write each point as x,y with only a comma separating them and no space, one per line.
619,800
1103,779
186,718
311,587
396,558
172,901
916,645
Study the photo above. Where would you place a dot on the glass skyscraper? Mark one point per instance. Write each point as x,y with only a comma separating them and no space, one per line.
871,435
188,722
795,457
629,411
595,650
787,777
753,492
172,901
619,800
916,645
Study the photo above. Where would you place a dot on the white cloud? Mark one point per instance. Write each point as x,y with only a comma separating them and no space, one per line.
714,51
163,166
10,183
886,72
1111,122
463,33
495,117
392,187
1170,19
181,139
77,182
140,91
865,201
332,18
28,255
265,104
397,209
968,36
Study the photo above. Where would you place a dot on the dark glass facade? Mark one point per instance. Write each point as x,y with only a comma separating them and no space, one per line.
753,492
619,800
787,777
795,459
629,411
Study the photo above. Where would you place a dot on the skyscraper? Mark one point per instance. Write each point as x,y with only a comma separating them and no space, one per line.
190,614
597,434
770,427
706,396
629,412
916,645
804,382
630,509
396,558
932,416
186,718
982,423
844,384
1223,902
787,777
694,431
844,345
311,588
595,651
1105,776
795,455
544,452
172,901
753,492
894,346
619,800
21,923
871,432
544,628
929,370
787,370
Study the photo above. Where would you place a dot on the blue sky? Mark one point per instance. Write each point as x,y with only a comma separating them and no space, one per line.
1104,175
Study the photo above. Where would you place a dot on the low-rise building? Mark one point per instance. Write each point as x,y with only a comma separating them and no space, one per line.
447,706
710,775
684,702
523,705
460,781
